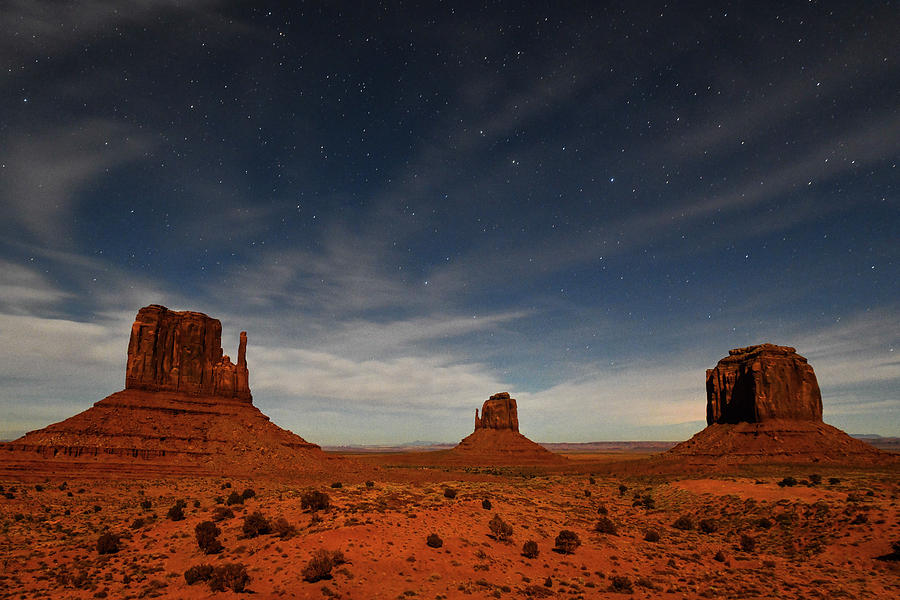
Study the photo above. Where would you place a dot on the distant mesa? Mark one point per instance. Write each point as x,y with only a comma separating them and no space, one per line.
763,404
186,408
497,441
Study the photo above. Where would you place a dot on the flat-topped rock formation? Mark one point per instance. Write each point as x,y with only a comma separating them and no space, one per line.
175,351
497,441
763,404
186,409
762,383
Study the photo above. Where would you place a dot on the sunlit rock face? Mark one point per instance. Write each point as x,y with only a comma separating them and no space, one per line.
762,383
498,412
182,352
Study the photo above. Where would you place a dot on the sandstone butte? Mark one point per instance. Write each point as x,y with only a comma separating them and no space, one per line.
763,404
186,408
496,440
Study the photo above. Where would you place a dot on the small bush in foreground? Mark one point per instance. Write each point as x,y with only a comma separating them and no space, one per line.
176,512
567,541
787,482
283,529
198,573
207,535
248,493
434,541
256,524
651,535
684,522
500,528
231,576
320,565
450,493
108,543
220,513
620,584
605,525
708,526
486,504
315,500
530,549
234,498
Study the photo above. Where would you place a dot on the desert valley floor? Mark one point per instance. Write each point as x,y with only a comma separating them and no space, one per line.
735,532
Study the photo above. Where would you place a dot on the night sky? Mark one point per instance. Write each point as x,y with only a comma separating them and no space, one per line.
411,207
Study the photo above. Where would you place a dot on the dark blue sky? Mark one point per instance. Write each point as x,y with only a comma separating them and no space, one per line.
410,208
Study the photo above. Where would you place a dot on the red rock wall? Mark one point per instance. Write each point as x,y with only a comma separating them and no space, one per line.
760,383
182,352
498,412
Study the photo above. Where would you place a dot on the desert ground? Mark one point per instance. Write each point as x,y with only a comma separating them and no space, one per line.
740,532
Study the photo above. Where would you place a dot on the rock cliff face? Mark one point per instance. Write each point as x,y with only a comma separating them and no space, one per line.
761,383
498,412
182,352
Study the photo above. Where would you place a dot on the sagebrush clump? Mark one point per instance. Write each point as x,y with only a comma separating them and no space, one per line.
256,524
567,541
500,528
314,500
605,525
207,535
684,522
108,543
530,549
176,512
320,565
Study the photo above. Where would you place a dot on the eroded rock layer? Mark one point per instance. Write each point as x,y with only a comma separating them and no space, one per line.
761,383
182,352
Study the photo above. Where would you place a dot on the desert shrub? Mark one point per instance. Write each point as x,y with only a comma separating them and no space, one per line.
567,541
859,519
39,488
198,573
176,512
764,523
620,584
684,522
320,565
449,492
530,549
833,481
815,479
234,498
137,523
787,482
283,529
207,535
108,543
622,489
605,525
337,485
500,528
748,543
220,513
602,510
708,525
229,576
315,500
434,541
248,493
719,556
146,504
486,504
256,524
651,535
370,484
648,502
